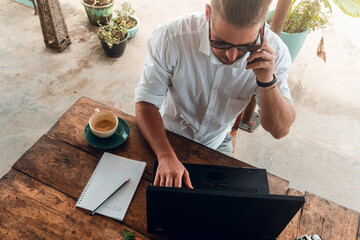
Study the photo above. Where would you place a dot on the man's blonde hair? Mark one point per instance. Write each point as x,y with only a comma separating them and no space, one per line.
240,13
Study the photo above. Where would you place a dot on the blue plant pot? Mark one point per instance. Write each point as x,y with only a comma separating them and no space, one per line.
294,41
99,13
131,31
134,30
27,3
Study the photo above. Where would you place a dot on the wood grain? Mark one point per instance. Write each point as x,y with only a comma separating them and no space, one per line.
291,230
32,210
277,185
70,128
58,165
68,169
328,219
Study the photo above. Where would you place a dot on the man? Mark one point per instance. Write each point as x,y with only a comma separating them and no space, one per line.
197,74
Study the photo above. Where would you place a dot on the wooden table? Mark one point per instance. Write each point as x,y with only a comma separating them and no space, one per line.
38,195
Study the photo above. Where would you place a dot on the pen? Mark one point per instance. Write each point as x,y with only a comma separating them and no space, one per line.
93,212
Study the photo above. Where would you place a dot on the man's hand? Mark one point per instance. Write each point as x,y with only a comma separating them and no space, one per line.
171,172
277,114
263,69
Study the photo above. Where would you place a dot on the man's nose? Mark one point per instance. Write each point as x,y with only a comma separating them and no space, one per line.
232,53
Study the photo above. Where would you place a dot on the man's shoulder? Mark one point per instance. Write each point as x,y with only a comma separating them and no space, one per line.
184,24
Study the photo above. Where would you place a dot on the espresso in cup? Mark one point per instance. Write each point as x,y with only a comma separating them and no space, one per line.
103,124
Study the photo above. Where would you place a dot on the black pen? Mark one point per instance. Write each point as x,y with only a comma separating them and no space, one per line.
93,212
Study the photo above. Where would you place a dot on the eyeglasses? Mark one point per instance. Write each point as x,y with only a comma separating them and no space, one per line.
252,47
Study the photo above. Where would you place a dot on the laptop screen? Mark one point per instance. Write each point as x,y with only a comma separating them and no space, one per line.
215,212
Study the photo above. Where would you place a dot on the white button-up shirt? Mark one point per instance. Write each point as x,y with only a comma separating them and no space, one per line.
198,96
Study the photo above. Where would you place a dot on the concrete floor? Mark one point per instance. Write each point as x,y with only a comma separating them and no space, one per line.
320,155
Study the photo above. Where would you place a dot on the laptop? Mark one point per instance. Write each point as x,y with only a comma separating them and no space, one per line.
225,202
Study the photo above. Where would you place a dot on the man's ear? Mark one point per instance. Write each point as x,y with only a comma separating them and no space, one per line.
207,12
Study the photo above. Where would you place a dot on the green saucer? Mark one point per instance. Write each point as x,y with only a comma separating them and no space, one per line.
118,138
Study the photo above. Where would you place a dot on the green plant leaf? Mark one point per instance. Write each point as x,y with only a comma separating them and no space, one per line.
306,14
349,7
128,235
327,5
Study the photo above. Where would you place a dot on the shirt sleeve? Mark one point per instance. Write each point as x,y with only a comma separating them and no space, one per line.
159,66
282,67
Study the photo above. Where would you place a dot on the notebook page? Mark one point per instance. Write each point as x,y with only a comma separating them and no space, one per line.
110,173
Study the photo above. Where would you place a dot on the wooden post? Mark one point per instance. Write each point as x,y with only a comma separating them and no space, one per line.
279,17
249,111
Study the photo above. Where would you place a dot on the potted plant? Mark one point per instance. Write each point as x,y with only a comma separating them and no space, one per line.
98,10
127,20
303,16
128,236
113,39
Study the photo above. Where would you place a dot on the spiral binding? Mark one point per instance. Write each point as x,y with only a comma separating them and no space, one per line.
88,184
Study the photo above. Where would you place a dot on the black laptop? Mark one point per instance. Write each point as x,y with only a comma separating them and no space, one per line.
225,202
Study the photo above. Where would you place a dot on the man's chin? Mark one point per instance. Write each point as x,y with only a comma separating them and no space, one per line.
227,62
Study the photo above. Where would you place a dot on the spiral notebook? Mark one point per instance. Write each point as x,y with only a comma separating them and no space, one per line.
109,174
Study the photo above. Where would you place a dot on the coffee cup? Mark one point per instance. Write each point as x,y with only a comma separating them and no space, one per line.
103,124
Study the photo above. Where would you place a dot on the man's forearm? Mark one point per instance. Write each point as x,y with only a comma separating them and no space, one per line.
277,114
170,172
152,127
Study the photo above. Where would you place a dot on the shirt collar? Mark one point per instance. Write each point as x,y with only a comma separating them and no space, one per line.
205,48
204,42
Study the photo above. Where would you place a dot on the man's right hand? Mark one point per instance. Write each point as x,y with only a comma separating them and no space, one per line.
171,172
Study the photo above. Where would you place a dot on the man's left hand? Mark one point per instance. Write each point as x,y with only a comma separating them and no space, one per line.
263,69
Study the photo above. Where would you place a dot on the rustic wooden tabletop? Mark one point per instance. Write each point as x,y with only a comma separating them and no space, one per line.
38,195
